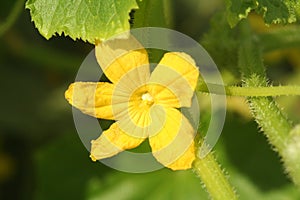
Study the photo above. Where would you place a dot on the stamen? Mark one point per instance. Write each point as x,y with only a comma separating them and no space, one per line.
147,98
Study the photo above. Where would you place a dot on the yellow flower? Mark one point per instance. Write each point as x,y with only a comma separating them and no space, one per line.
143,105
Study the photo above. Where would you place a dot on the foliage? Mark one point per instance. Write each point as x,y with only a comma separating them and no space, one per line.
273,11
87,20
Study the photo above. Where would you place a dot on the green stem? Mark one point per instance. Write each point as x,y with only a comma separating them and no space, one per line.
12,17
292,154
214,178
274,123
249,91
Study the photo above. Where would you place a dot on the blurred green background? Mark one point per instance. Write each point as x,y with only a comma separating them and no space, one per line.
42,157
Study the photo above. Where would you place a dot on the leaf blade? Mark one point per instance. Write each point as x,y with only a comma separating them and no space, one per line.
89,20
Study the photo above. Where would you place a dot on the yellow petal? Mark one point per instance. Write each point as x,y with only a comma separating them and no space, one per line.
173,145
177,72
92,98
119,56
111,142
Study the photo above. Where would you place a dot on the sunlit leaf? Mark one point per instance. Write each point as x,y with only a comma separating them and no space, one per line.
89,20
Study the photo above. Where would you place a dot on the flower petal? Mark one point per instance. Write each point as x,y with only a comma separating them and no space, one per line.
177,72
92,98
119,56
111,142
173,145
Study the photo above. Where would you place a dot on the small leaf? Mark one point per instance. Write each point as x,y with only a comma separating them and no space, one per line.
237,10
273,11
89,20
277,11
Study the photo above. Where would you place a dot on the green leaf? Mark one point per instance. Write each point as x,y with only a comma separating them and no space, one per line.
237,10
278,11
89,20
273,11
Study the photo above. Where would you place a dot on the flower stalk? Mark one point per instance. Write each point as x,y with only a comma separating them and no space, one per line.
215,181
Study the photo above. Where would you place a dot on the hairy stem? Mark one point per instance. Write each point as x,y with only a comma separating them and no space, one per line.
213,178
292,155
274,123
268,115
248,91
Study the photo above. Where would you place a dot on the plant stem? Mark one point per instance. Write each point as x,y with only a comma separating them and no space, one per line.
249,91
291,154
213,178
12,17
268,115
274,123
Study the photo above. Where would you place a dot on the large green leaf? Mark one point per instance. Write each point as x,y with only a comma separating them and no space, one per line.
273,11
89,20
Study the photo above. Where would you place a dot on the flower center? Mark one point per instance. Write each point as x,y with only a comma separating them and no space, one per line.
147,98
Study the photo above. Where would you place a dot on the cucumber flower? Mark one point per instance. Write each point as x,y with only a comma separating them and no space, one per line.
144,105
